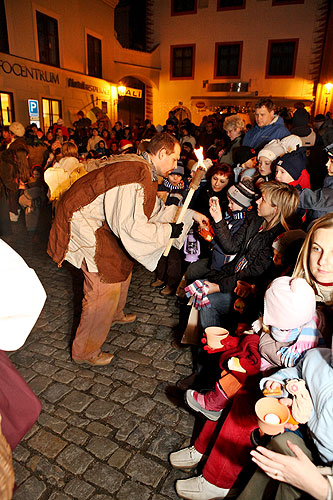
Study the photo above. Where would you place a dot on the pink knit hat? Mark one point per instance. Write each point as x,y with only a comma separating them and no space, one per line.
289,303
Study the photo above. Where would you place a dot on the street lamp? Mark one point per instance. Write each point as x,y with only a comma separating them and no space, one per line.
328,88
121,90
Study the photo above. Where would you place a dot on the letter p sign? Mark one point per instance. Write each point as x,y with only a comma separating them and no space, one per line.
33,107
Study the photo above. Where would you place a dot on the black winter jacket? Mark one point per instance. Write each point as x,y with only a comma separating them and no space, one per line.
248,243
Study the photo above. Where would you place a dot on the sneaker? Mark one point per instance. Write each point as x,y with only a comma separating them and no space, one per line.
193,403
198,488
187,458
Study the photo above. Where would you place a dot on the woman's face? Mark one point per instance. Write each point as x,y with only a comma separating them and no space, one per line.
329,166
321,255
265,209
232,133
218,182
283,176
264,166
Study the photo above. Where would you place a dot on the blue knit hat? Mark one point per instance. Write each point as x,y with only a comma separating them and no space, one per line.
293,163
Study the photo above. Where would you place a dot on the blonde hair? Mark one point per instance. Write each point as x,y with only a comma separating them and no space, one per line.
69,149
284,198
302,269
233,122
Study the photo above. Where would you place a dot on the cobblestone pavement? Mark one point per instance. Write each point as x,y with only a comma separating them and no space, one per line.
103,432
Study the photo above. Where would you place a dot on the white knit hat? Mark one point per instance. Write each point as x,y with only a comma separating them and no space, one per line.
289,303
272,150
291,143
17,129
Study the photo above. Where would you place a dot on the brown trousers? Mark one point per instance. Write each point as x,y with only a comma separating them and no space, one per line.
102,304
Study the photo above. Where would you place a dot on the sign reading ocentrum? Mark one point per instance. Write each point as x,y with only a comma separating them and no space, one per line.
24,71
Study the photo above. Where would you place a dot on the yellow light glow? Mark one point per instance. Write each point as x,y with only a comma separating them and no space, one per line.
199,155
121,90
328,87
114,92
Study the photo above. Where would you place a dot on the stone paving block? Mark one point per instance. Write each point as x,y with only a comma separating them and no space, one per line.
122,340
31,489
100,391
77,421
23,358
123,394
146,330
127,365
167,376
160,497
74,459
165,442
79,489
98,429
55,392
136,357
63,376
85,373
133,490
44,368
163,364
164,415
100,379
140,406
105,477
62,413
142,432
126,428
119,417
146,371
46,443
101,447
185,424
48,472
124,376
82,384
147,385
21,473
76,401
27,373
20,453
100,409
59,496
145,470
46,350
56,425
155,348
62,356
168,487
138,344
76,436
119,458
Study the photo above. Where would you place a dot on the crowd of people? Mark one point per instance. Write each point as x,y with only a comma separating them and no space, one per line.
253,253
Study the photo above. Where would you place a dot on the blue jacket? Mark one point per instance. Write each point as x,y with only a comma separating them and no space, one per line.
259,136
315,368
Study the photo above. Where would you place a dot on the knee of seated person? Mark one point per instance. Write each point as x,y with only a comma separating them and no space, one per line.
279,443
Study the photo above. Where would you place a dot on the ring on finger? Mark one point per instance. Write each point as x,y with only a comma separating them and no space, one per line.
276,473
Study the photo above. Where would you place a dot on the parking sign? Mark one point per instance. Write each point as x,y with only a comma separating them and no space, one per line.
33,107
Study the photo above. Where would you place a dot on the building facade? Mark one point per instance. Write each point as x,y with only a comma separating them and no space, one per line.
199,56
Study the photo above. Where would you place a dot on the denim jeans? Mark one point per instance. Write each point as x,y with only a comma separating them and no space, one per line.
221,305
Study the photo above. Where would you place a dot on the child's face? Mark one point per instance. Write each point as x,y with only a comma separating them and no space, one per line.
249,163
277,258
264,166
234,207
282,175
36,174
174,179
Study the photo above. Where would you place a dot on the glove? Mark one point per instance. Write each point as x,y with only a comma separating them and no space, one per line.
229,342
176,229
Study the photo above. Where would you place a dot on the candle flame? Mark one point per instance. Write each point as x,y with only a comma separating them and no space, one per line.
199,155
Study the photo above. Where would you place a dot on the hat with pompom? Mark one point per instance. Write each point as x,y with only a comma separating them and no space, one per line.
289,303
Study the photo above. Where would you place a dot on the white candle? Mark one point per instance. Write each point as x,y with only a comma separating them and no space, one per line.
271,418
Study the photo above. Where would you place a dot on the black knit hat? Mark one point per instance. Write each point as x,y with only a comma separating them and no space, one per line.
293,163
243,154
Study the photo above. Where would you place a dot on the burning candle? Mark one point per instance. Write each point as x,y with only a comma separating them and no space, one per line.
272,418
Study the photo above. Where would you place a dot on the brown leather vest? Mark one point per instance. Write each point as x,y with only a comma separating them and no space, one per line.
113,262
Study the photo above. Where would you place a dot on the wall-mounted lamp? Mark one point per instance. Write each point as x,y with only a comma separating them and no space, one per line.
328,89
121,90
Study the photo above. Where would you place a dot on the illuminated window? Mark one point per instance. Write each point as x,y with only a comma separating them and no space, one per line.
228,58
94,46
51,112
179,7
230,4
281,58
48,42
182,62
6,108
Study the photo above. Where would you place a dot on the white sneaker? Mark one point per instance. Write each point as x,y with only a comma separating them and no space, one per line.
197,488
187,458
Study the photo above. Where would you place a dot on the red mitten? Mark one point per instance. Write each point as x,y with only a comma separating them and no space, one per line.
228,343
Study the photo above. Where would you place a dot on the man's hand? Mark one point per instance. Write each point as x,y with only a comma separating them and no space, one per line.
201,219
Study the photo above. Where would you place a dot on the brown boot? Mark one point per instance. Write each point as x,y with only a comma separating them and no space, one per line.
167,291
127,318
102,359
157,284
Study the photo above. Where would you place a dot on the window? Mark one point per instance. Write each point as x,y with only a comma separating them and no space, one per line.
286,2
48,42
281,58
94,46
4,47
6,108
230,4
228,59
179,7
182,62
51,111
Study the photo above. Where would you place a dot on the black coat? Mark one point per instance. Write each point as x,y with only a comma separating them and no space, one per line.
248,243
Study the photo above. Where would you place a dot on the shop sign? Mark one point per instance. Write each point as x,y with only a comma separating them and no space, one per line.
133,93
200,104
85,86
24,71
